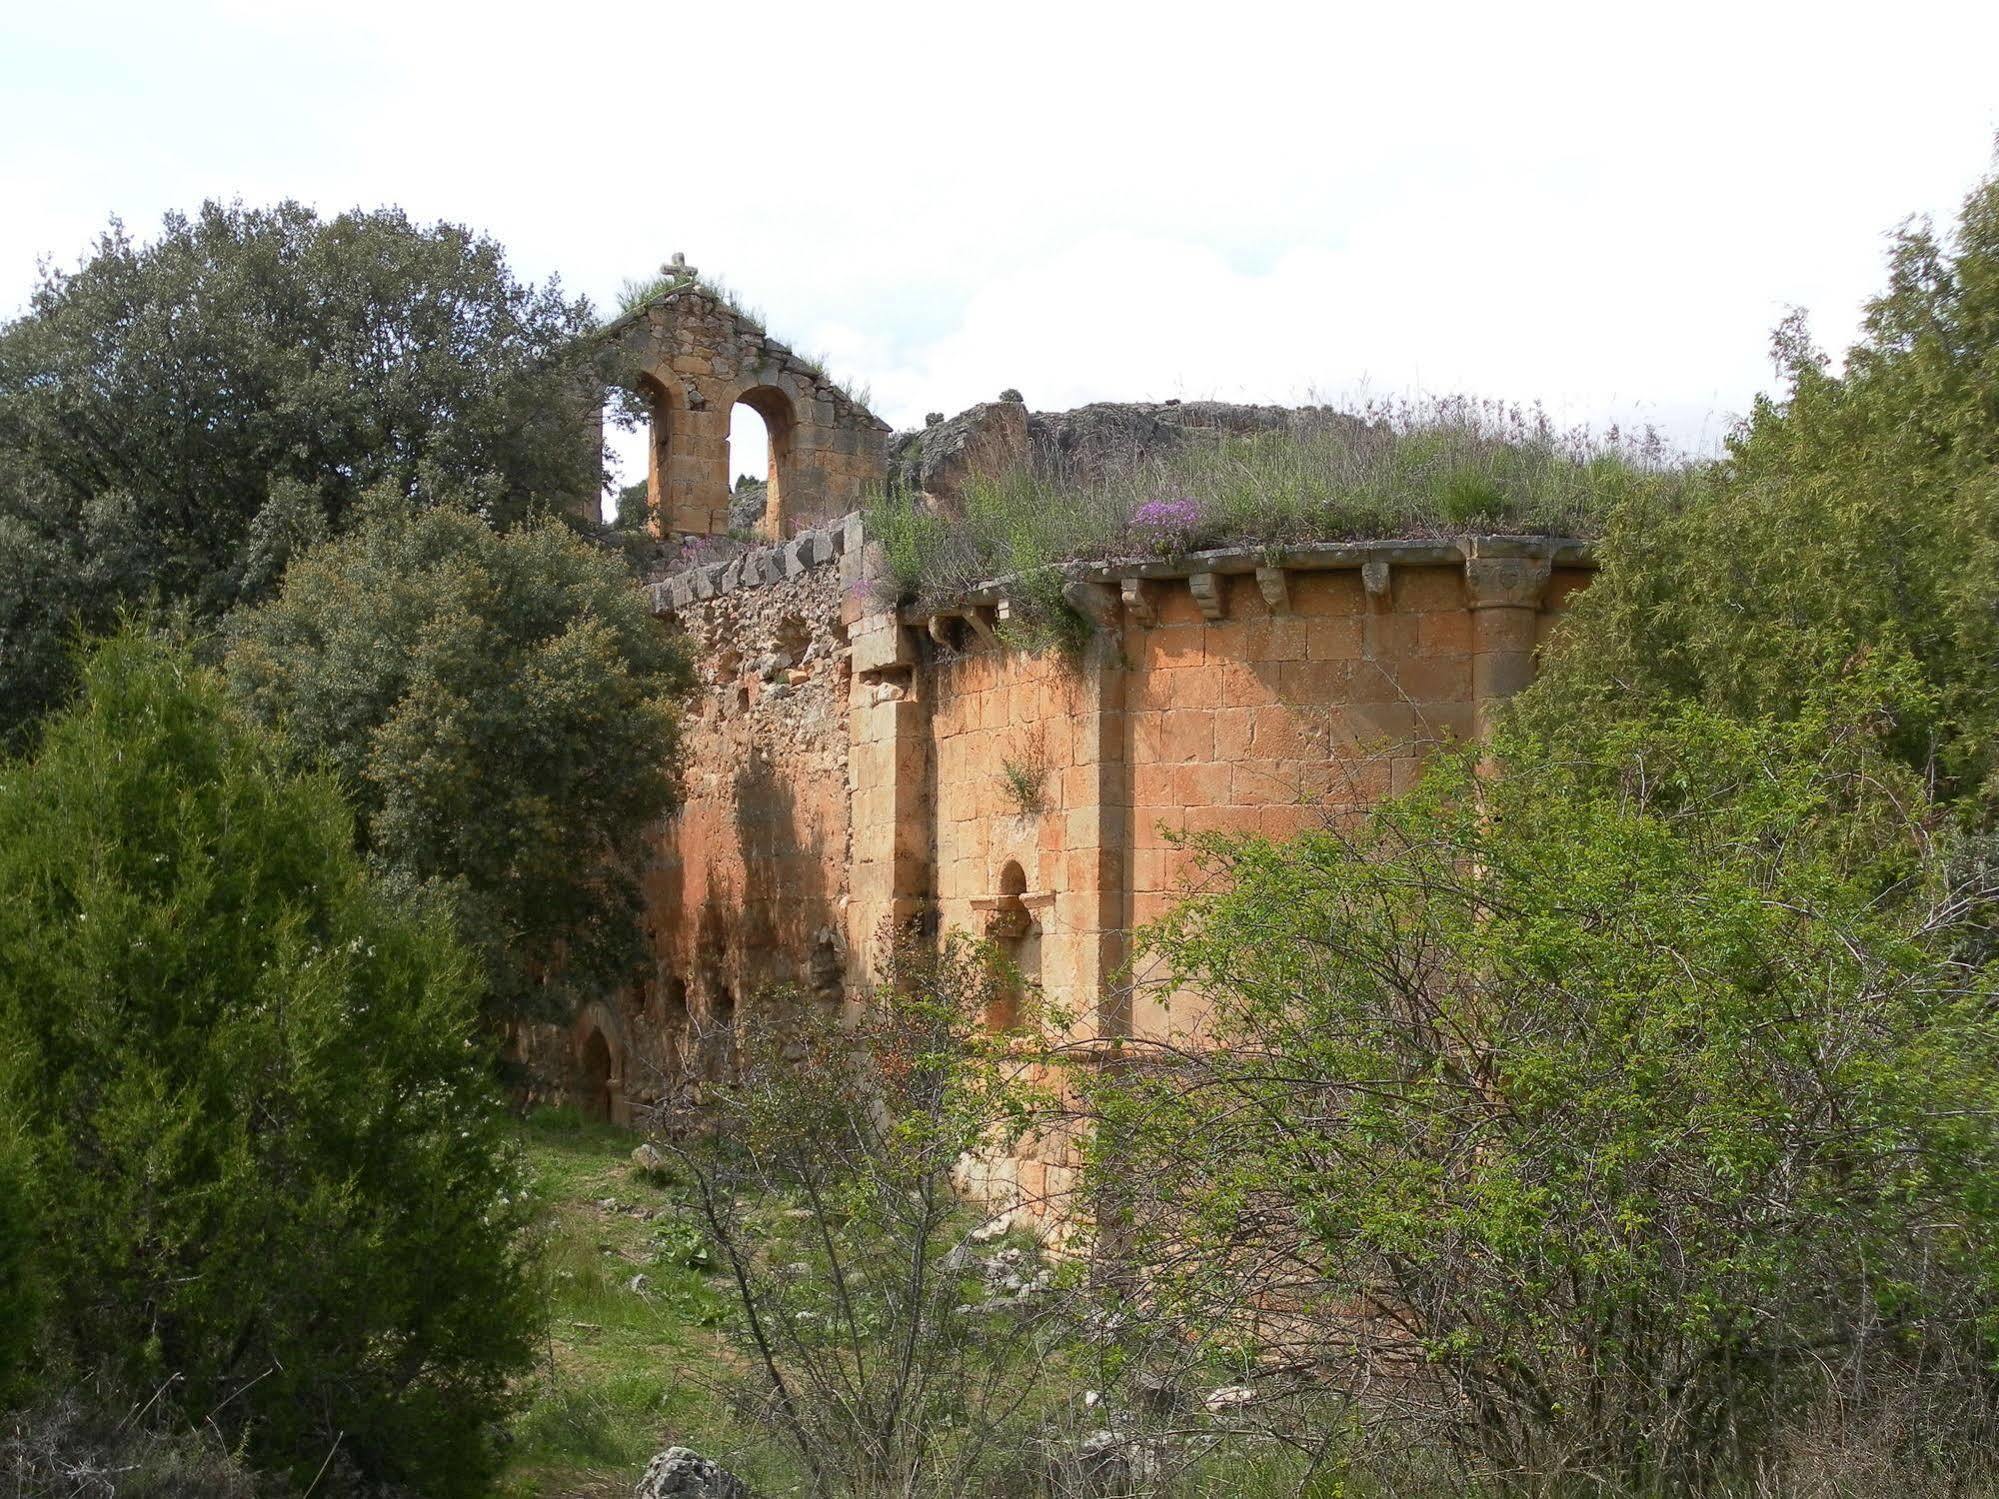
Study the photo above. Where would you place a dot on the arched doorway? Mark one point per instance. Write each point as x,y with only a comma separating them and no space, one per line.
593,1078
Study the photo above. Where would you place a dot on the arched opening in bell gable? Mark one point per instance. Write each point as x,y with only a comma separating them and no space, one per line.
761,424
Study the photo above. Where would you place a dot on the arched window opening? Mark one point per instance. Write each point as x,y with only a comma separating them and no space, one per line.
626,426
1011,926
637,428
760,426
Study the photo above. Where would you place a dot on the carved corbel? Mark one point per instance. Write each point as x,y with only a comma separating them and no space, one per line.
1096,602
1374,578
1207,591
1138,602
1276,589
1506,582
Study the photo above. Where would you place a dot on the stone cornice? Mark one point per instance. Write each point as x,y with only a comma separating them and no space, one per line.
1506,562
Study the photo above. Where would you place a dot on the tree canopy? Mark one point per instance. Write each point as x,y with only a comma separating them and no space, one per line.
1855,516
499,708
178,417
1643,1103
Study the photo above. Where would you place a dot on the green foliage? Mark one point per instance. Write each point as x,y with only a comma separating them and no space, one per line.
270,1171
634,511
635,1359
1857,516
1024,782
868,1358
20,1299
636,291
1435,469
498,705
177,418
1641,1101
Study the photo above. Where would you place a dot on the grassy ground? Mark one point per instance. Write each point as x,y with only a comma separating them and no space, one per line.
633,1357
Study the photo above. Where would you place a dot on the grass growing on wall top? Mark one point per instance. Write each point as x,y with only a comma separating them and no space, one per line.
1438,468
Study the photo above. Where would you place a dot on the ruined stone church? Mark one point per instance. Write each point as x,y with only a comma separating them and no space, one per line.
849,764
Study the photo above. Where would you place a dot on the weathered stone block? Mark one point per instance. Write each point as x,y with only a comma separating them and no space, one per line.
881,642
1339,637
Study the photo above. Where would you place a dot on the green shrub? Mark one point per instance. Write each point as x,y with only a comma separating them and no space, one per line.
500,707
1856,517
19,1301
273,1176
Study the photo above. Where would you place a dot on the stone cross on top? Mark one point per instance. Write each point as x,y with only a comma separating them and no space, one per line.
678,268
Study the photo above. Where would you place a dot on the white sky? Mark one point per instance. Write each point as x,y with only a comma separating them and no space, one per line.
1604,207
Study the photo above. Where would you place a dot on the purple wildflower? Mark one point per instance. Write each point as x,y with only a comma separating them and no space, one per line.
1165,526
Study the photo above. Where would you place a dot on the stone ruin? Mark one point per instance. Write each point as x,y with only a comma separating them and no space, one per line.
694,357
849,766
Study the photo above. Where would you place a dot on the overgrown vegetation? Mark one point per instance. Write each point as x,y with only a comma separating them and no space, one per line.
1857,515
96,1442
1613,1114
265,1176
500,707
869,1351
633,1353
1024,774
636,292
1433,468
1646,1102
1620,1123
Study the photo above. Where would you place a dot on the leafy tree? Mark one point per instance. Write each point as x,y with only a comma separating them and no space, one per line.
1591,1120
1859,514
270,1173
178,417
498,705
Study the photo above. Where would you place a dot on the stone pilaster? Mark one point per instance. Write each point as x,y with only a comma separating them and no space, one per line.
1504,593
888,782
1097,898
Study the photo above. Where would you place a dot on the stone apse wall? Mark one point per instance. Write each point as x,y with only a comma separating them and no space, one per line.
849,767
